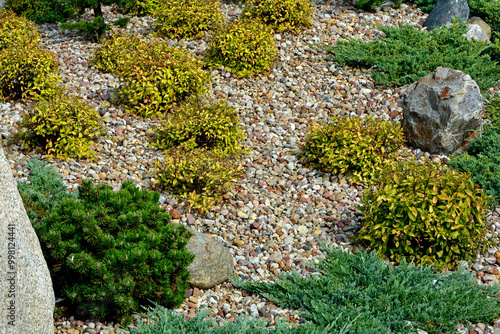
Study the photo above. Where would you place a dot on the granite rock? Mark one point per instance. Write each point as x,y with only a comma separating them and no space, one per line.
440,109
26,287
445,11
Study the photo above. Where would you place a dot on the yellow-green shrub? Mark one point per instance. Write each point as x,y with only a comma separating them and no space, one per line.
281,15
26,71
244,46
198,176
157,76
17,30
142,7
63,126
112,55
193,125
187,18
424,212
361,146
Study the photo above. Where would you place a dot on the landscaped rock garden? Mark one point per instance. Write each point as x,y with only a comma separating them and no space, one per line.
284,208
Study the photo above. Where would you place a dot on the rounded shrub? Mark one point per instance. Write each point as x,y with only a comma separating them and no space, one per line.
157,76
198,176
355,145
27,71
63,126
111,56
111,252
17,30
187,18
281,15
245,47
194,124
142,7
424,212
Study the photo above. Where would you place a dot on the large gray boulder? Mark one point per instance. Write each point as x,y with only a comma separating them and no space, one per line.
213,263
27,297
440,109
444,12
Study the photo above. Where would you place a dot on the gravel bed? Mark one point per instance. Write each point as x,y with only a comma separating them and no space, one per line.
276,212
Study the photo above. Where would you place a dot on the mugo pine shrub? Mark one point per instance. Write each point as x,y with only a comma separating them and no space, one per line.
482,161
203,147
63,126
110,252
360,146
425,213
245,47
157,76
280,15
187,18
406,54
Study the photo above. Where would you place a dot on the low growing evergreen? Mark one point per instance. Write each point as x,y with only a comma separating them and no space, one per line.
360,293
111,252
406,54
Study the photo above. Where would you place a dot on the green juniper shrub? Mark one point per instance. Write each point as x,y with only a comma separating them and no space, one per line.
111,252
370,5
488,10
197,124
245,47
156,77
482,161
493,110
406,54
27,71
198,176
360,293
44,191
41,11
360,146
16,31
187,18
122,22
142,7
424,212
280,15
63,126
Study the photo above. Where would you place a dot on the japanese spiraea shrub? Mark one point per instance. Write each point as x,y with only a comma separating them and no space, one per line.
41,11
17,30
482,161
111,252
112,55
187,18
425,213
63,126
157,77
197,124
27,72
44,191
351,144
199,176
280,15
245,47
142,7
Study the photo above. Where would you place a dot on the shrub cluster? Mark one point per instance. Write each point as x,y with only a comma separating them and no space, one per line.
142,7
15,31
204,151
370,5
245,47
64,126
41,11
406,54
154,76
281,15
424,212
187,18
110,252
360,146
